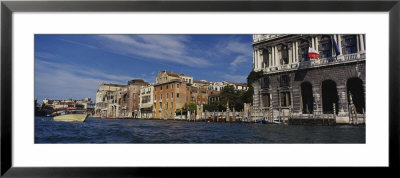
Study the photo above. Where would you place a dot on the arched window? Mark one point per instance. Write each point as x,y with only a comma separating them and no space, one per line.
349,44
265,58
355,92
285,99
303,50
325,47
284,54
329,97
307,98
266,99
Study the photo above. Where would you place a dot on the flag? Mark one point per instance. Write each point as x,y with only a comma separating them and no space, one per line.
312,53
335,45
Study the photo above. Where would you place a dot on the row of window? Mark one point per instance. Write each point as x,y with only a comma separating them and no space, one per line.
166,105
146,99
325,47
188,80
284,81
285,100
166,86
161,96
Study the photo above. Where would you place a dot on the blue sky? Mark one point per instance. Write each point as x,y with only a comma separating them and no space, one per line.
74,66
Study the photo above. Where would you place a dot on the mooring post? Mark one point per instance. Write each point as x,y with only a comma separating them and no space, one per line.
271,115
334,111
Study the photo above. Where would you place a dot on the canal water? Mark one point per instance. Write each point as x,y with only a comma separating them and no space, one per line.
95,130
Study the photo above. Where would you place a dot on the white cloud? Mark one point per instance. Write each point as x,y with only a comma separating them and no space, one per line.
80,69
63,81
170,48
238,47
238,60
79,43
235,78
233,49
63,85
45,55
233,46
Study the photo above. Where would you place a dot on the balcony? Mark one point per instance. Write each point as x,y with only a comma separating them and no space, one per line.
101,105
347,58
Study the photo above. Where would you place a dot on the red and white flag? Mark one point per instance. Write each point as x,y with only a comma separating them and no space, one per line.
313,54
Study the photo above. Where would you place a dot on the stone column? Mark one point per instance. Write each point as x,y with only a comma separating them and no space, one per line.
339,42
256,95
296,51
290,55
358,43
259,59
254,59
317,99
312,43
342,94
272,56
333,51
362,42
276,56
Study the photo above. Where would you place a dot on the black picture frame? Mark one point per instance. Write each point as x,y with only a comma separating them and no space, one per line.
8,7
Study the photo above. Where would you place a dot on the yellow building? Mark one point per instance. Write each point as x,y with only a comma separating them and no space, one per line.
169,97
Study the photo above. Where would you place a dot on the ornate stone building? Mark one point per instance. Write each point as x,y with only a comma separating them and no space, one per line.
107,100
332,85
146,101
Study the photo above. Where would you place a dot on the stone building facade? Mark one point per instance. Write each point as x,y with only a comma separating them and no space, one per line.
146,101
293,84
219,86
198,95
130,98
107,100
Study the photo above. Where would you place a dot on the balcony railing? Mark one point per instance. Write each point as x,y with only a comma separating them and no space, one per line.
101,105
260,38
317,63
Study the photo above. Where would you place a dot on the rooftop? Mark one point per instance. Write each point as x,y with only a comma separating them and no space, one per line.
113,84
199,81
174,74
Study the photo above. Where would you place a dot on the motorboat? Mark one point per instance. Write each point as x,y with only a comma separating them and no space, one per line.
72,115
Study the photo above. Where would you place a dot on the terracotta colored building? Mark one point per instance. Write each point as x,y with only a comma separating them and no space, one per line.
169,97
130,98
198,95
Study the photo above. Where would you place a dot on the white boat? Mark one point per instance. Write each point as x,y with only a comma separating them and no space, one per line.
277,120
72,116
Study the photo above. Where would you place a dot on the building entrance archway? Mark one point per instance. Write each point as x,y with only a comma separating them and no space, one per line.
307,98
329,97
356,90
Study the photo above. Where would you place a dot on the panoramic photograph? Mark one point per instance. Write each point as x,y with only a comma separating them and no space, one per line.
200,88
